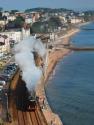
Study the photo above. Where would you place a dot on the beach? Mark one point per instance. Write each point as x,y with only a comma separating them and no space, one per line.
53,57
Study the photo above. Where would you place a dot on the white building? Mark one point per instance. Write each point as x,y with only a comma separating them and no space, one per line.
15,35
3,22
28,20
11,17
76,20
63,19
35,16
5,14
6,37
4,44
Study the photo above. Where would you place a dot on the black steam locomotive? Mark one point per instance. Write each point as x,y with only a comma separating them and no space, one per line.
24,99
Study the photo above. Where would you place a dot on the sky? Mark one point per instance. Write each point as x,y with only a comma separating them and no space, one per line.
24,4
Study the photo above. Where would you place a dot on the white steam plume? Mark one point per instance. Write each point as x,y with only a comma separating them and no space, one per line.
25,59
31,44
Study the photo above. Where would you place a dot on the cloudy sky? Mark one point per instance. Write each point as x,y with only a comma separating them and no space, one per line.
24,4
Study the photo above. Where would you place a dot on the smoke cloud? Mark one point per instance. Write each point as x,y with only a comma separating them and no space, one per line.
25,59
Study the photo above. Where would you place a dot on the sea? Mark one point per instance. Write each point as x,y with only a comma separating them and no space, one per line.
70,88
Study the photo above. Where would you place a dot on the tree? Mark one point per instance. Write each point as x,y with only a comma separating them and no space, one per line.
19,21
37,27
14,11
55,21
46,26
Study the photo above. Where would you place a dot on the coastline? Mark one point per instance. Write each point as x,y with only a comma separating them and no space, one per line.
53,57
85,23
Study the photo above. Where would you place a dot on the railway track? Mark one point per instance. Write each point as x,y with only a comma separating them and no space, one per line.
33,117
17,106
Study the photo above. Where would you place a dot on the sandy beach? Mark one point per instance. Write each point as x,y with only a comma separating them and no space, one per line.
56,55
53,57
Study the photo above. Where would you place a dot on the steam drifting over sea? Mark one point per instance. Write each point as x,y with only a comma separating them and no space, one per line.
25,59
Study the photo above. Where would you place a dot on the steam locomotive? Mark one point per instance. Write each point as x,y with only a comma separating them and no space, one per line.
24,99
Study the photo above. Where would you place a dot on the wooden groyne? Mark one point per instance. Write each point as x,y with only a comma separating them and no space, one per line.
79,48
71,47
87,29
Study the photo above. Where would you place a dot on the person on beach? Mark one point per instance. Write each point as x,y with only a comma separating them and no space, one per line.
52,122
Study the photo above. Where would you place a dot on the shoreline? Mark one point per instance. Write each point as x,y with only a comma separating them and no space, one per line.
53,59
56,55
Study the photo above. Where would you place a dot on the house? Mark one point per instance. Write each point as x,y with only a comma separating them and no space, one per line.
63,19
76,20
6,13
3,22
15,35
4,44
28,20
35,16
11,17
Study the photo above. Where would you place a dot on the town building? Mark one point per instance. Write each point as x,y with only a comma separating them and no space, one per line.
13,35
35,16
63,19
4,44
76,20
3,22
11,17
6,13
28,20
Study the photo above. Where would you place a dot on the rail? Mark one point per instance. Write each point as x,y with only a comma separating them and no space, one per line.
17,107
